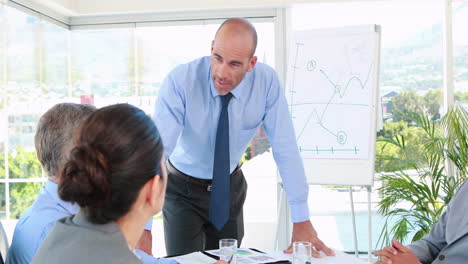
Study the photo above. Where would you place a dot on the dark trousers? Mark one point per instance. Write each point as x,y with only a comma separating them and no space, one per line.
187,227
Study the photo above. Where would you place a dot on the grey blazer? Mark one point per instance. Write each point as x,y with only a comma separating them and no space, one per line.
75,240
447,241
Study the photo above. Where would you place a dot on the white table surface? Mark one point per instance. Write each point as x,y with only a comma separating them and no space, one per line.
340,257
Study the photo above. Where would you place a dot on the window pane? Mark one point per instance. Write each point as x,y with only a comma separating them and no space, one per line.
22,195
158,57
55,64
3,51
24,93
3,60
22,162
23,38
460,51
410,79
266,42
2,201
103,63
2,158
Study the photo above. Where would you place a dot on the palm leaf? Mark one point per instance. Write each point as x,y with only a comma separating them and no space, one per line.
424,194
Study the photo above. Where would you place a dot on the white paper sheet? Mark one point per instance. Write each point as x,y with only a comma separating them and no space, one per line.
194,258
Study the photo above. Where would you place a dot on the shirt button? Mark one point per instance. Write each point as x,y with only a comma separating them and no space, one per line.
441,257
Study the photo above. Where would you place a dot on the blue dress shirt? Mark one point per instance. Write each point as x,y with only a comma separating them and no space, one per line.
187,113
37,221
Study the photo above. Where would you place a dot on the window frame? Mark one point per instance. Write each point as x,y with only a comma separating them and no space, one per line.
174,18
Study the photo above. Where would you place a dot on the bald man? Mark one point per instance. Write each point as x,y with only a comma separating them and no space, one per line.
211,108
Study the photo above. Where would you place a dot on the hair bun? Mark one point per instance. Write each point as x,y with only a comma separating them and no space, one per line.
85,177
118,149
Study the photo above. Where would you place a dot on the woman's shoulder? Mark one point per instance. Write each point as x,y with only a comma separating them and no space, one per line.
78,244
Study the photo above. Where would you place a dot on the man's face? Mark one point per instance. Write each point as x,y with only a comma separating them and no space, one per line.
231,58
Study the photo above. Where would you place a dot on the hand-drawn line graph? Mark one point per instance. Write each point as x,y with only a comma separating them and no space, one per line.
337,91
341,136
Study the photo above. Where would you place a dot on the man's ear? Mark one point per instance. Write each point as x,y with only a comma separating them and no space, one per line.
252,63
212,45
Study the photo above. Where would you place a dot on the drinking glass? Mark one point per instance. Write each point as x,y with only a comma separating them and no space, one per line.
302,252
228,250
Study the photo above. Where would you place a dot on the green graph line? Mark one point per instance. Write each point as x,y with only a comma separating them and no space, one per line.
321,150
332,150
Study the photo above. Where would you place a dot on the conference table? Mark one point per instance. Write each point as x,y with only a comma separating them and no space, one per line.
339,258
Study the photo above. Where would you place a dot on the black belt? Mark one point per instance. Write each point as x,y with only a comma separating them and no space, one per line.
202,183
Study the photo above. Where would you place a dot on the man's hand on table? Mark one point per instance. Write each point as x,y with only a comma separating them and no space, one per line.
304,231
396,254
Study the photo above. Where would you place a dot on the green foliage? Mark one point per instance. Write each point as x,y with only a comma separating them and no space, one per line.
247,155
392,129
21,164
420,188
432,102
397,143
407,101
461,96
22,194
410,101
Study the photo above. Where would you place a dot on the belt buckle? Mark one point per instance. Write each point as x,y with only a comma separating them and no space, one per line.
209,187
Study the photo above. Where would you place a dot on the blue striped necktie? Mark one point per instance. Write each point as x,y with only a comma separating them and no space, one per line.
220,194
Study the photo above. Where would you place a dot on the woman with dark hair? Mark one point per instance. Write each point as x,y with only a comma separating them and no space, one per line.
116,174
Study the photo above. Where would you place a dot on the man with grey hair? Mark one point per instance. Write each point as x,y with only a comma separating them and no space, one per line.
53,141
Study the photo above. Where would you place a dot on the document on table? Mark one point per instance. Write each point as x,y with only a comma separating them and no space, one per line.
253,256
244,256
194,258
340,257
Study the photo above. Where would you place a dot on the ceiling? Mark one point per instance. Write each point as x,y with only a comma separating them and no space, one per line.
121,6
72,8
88,12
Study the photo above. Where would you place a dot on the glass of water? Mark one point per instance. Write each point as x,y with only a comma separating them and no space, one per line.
302,252
228,250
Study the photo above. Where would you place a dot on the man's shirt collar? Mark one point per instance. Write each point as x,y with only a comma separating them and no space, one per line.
52,188
237,92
